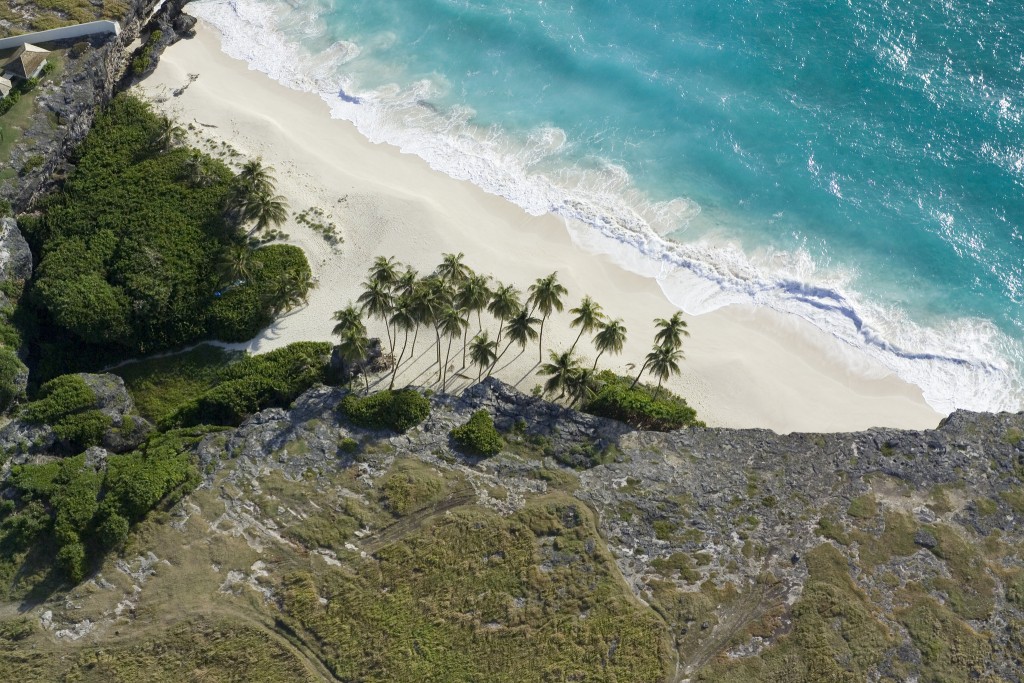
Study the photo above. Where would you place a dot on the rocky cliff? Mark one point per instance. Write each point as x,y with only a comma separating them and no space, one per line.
583,551
65,111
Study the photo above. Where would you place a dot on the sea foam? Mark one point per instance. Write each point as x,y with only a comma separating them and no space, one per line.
964,363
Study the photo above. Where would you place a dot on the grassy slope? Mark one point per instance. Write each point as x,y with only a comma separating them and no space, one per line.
22,16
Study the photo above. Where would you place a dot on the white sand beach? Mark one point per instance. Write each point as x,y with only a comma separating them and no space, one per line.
744,367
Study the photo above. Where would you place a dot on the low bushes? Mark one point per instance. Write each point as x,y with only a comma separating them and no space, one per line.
478,436
640,406
397,410
67,404
255,383
89,509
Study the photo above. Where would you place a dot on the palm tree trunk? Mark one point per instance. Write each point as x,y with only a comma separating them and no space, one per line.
447,356
507,346
642,368
387,329
437,335
540,340
658,390
573,347
415,334
479,322
394,372
501,327
597,359
465,343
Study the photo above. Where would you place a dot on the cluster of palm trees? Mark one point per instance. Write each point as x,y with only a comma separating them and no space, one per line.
446,303
253,200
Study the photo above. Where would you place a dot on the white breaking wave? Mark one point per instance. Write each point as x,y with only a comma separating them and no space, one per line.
965,363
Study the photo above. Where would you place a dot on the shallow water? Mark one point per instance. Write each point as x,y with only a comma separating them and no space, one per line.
858,164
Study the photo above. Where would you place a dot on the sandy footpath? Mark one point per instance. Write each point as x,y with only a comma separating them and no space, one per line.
744,367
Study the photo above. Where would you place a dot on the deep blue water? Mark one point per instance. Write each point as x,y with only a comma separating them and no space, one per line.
867,157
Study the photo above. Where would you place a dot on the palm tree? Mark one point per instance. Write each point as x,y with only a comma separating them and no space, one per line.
235,263
256,177
451,324
546,296
169,134
353,348
473,296
560,371
197,171
452,269
672,331
265,209
582,386
385,271
377,300
504,304
482,352
520,331
663,362
588,317
406,282
611,337
401,319
290,291
349,318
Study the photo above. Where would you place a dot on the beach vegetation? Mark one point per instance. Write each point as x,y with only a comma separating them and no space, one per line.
639,405
588,317
253,383
478,436
482,351
395,410
130,250
545,296
74,510
561,372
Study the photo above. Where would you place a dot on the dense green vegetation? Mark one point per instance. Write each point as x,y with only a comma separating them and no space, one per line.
77,510
446,301
639,405
463,599
195,649
397,410
478,436
160,385
66,403
253,383
144,250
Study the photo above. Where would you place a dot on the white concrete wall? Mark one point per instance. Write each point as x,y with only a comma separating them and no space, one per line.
65,33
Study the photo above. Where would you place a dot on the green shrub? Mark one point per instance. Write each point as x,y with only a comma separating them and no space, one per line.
397,410
11,368
478,436
113,530
254,383
640,406
131,251
83,430
59,397
71,560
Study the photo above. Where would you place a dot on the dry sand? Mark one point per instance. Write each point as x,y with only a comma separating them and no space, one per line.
744,367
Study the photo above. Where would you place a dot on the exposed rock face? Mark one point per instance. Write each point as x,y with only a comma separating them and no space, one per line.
24,440
15,255
90,81
728,515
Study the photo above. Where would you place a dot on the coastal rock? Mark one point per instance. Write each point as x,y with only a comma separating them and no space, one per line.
15,255
128,430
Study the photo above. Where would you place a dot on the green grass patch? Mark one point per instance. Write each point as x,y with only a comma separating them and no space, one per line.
835,633
161,385
478,435
474,596
950,649
970,590
396,410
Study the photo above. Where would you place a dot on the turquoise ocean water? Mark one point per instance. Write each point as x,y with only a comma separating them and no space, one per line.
859,164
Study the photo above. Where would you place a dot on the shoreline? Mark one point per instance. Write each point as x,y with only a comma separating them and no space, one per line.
745,366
